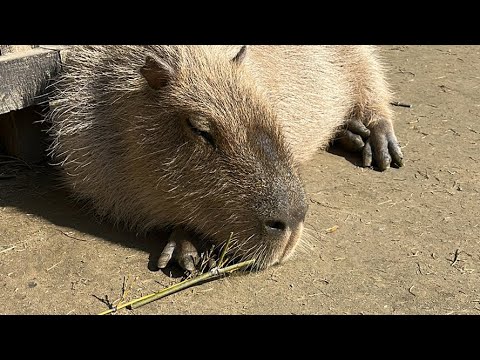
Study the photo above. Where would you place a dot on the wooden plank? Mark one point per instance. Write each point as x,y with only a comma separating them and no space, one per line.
24,76
7,49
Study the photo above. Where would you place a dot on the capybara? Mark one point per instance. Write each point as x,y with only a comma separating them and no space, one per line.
207,139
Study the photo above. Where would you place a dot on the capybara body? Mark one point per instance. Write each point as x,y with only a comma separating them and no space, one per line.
207,138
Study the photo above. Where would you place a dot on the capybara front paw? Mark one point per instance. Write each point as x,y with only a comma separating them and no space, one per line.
180,247
381,147
352,136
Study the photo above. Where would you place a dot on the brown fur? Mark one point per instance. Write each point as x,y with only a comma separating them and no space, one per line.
127,148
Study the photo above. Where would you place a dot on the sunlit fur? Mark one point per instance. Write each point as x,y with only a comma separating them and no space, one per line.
125,146
314,89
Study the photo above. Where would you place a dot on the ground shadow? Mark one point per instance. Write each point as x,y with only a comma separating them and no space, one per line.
37,190
353,157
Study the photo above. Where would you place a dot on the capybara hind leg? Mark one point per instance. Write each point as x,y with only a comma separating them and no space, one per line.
179,247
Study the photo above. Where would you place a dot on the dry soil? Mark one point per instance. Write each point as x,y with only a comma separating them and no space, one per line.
404,241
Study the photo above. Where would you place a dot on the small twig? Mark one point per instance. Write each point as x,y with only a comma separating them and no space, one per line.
406,72
54,265
224,251
124,288
455,258
7,249
188,282
123,296
106,301
401,104
70,236
410,290
211,275
13,246
331,229
419,269
455,132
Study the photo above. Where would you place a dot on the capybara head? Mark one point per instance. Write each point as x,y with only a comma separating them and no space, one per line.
196,145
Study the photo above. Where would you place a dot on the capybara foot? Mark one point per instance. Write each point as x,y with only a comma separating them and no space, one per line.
378,143
352,136
382,147
179,247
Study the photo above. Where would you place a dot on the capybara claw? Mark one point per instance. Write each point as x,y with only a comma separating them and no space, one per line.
181,249
385,150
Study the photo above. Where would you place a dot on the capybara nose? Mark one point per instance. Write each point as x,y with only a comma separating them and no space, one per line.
288,221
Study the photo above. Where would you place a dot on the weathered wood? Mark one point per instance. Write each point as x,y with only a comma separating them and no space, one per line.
25,75
8,49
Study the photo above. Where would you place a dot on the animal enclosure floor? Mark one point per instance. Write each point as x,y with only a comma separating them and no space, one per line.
405,241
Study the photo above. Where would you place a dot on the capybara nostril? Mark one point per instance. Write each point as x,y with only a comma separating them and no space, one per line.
275,226
287,220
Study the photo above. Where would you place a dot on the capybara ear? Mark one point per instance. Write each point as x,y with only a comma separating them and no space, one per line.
238,59
157,72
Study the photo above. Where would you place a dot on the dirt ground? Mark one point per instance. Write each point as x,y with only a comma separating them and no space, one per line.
406,240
